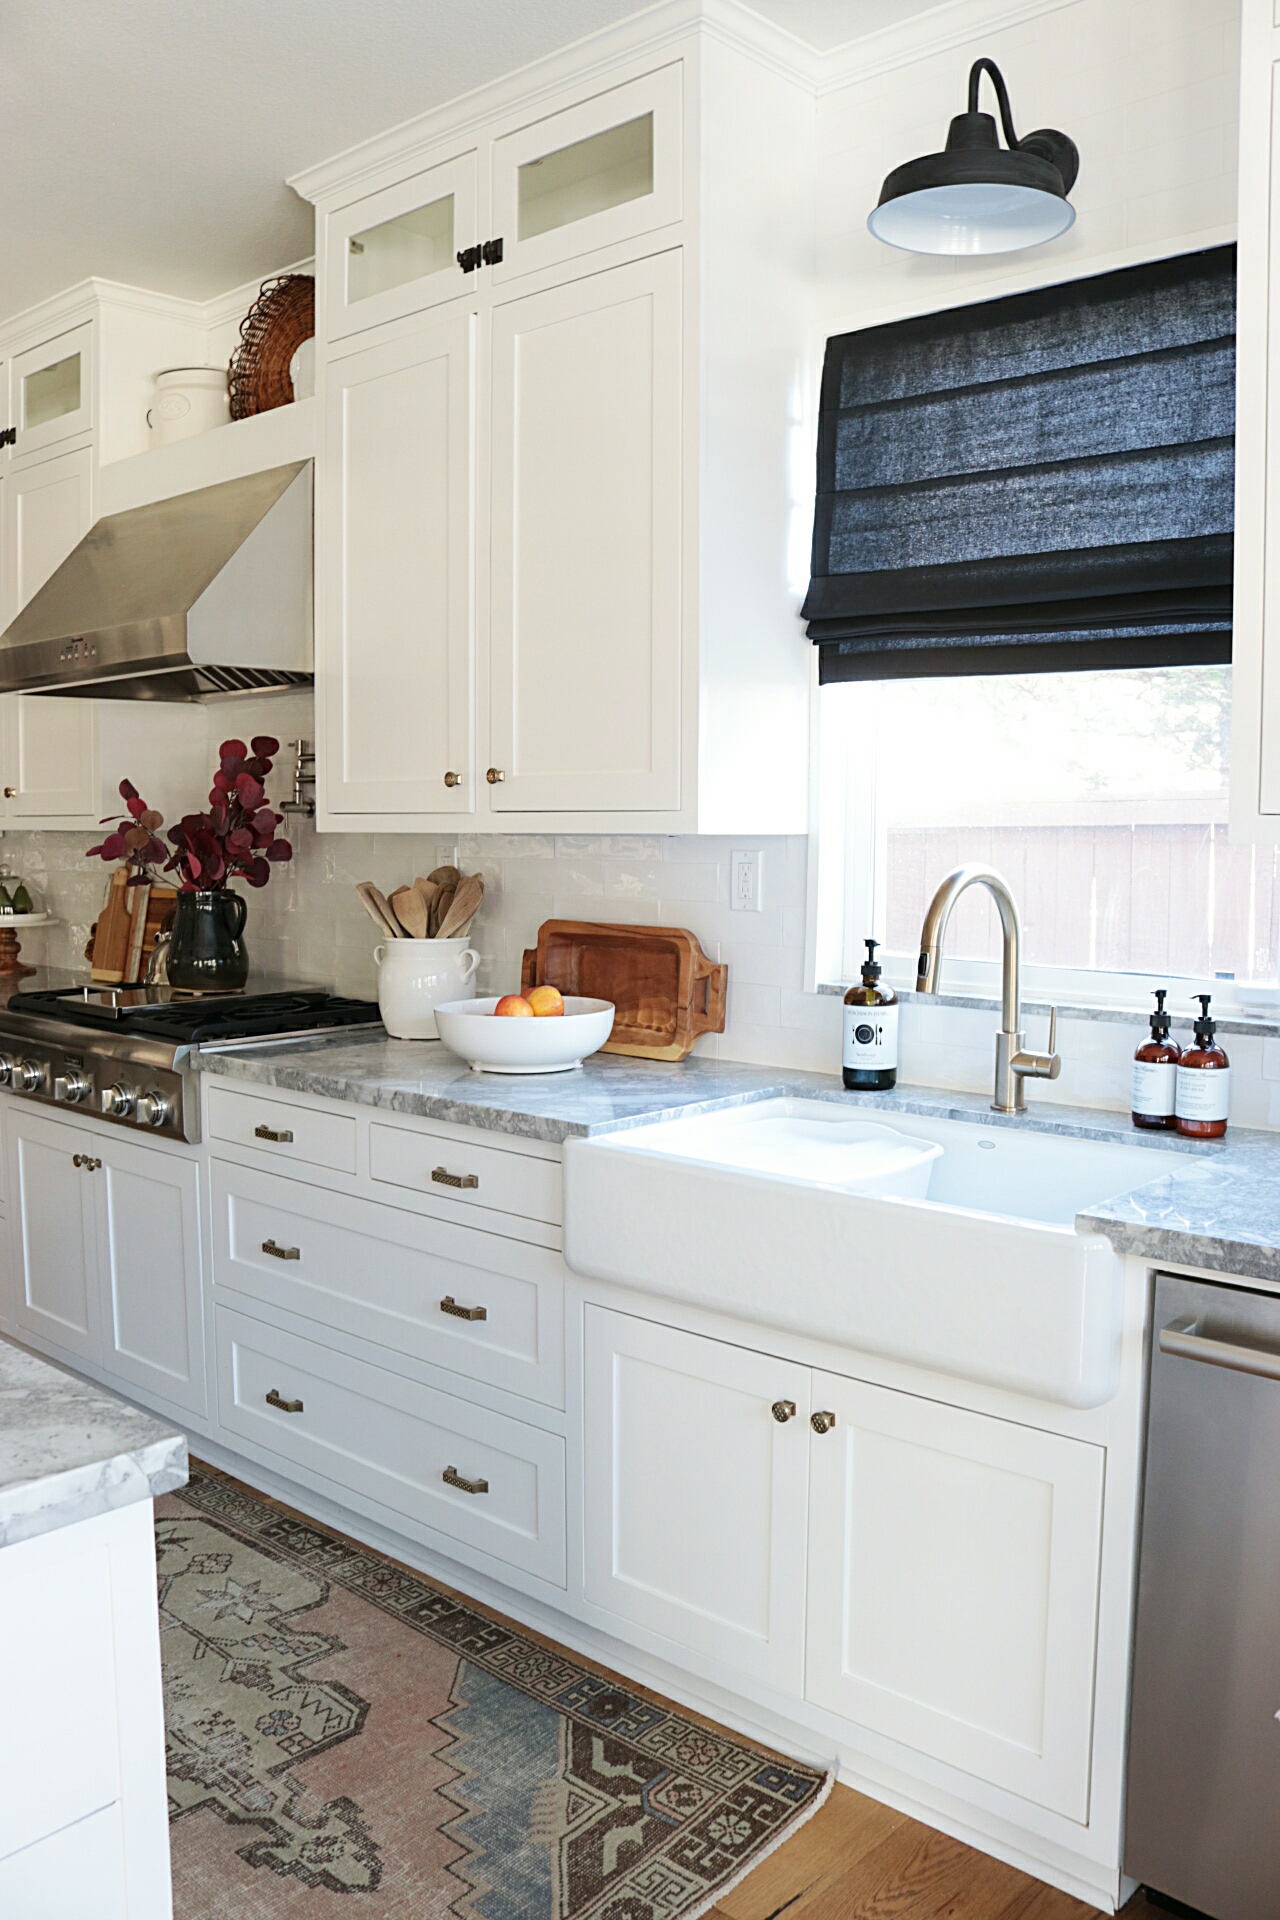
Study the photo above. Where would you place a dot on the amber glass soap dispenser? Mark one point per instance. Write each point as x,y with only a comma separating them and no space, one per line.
870,1057
1155,1070
1204,1082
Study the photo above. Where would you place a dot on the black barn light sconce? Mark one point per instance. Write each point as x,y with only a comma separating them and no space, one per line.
977,196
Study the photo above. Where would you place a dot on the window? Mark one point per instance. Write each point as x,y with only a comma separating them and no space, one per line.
1101,797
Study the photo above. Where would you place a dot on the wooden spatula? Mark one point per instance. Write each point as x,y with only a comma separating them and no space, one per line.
462,908
439,907
426,891
445,876
407,905
379,910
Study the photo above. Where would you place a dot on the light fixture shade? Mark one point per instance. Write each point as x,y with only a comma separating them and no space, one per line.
977,197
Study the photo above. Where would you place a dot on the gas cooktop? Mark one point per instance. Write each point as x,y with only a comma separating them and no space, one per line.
124,1053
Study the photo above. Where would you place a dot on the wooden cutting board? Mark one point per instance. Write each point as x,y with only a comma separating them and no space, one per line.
667,992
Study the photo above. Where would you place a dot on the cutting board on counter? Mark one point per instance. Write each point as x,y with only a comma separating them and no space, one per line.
666,991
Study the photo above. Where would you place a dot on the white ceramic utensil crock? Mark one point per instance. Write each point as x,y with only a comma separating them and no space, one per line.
189,400
414,976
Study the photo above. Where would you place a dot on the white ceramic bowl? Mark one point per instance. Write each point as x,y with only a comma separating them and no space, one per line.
556,1043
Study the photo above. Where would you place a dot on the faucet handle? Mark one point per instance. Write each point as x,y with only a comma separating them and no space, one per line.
1039,1066
1053,1031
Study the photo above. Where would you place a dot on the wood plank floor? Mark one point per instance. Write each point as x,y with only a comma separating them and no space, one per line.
857,1860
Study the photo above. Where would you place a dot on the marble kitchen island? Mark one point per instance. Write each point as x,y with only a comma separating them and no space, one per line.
83,1804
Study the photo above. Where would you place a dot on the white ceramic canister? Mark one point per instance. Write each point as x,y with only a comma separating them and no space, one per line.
415,976
189,400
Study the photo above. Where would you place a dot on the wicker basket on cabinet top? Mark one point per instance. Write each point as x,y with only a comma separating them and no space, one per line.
666,991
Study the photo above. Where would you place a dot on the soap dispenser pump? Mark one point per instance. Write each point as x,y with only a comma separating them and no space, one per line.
1155,1067
1204,1082
870,1052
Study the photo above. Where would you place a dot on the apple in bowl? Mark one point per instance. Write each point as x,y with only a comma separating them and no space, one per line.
513,1006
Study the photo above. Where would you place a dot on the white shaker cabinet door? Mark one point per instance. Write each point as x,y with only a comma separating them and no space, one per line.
50,746
52,1228
585,597
953,1586
396,655
147,1227
695,1493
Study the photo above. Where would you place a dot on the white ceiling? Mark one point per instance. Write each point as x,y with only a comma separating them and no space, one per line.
148,141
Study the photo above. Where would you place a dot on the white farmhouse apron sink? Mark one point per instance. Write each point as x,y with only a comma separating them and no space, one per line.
986,1277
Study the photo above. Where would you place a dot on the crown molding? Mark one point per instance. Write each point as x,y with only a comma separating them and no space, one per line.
953,24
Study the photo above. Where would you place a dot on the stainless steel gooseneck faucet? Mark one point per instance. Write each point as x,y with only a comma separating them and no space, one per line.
1013,1065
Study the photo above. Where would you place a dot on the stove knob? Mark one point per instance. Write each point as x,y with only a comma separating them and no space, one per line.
154,1109
25,1076
71,1085
6,1068
118,1102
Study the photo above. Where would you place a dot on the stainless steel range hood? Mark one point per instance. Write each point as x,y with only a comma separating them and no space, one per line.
197,597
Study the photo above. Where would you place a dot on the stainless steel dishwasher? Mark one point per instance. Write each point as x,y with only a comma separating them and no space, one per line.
1203,1819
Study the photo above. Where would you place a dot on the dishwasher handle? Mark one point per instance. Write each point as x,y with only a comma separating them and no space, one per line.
1181,1339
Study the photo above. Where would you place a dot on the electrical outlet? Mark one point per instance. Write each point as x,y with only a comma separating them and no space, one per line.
745,891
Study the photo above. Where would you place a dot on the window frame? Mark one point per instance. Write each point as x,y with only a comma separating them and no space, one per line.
846,850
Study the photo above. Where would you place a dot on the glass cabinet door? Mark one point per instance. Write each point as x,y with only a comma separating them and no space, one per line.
396,252
51,391
605,170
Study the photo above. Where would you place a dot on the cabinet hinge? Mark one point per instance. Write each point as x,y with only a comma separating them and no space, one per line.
469,259
491,252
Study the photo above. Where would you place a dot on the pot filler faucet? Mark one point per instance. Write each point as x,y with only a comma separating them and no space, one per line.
1013,1065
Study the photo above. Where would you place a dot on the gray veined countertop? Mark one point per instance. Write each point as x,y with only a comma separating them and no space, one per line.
1215,1205
70,1451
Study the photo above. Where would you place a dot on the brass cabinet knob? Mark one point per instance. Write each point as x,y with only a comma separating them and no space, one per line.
783,1410
11,793
822,1422
494,775
453,779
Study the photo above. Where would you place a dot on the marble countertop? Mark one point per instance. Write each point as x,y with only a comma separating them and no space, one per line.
70,1450
1212,1203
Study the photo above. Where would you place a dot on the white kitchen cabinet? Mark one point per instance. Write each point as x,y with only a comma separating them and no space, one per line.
585,600
53,1234
1255,645
953,1586
695,1493
607,169
396,677
106,1245
642,343
49,746
52,390
396,252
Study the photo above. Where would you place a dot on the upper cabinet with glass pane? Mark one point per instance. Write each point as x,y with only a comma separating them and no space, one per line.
605,170
51,391
396,252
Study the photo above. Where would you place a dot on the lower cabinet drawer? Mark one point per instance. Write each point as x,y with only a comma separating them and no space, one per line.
475,1476
468,1173
286,1132
475,1302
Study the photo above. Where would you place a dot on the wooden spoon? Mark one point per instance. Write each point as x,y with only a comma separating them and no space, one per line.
462,908
439,907
426,891
407,906
445,876
378,910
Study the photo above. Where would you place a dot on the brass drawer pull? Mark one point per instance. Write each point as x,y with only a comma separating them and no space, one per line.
822,1422
281,1253
450,1305
452,1478
783,1410
443,1178
85,1160
273,1399
282,1138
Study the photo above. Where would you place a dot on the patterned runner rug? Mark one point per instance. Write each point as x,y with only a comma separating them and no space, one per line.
346,1739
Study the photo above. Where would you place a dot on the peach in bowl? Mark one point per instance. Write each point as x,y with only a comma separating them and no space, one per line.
492,1038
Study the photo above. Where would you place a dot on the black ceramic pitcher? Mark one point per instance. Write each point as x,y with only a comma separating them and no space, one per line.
206,950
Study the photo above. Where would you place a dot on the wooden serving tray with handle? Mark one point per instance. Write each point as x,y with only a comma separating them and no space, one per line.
666,991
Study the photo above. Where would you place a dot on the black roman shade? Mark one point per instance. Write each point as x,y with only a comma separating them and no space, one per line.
1032,484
